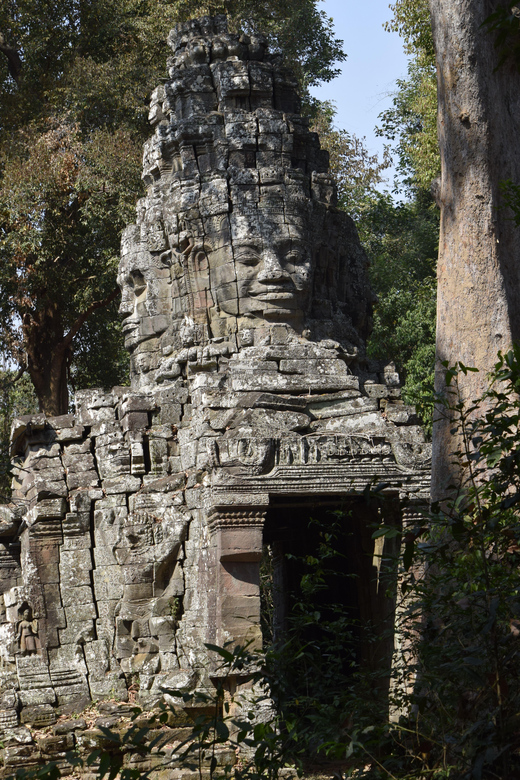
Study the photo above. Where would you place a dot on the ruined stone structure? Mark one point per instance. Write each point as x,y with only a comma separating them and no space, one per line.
138,522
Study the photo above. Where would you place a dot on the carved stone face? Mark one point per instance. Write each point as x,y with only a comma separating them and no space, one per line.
145,295
270,270
138,536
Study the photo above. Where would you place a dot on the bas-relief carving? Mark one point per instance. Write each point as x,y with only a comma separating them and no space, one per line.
245,305
146,563
27,633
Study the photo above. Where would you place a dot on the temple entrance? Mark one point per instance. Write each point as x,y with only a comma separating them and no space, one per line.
327,585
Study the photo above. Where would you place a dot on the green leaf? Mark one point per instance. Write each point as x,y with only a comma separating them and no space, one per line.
388,532
221,651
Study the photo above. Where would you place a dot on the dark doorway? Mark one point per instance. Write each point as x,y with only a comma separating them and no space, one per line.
326,579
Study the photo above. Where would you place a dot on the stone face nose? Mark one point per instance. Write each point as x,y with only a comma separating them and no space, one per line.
126,307
272,269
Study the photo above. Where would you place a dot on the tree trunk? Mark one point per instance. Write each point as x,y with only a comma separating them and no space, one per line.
47,355
49,349
478,310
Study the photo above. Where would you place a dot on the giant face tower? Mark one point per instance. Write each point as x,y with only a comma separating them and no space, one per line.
238,234
138,523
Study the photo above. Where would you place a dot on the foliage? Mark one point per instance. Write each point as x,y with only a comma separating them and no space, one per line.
511,198
63,204
401,241
412,121
461,615
99,358
357,173
411,19
70,145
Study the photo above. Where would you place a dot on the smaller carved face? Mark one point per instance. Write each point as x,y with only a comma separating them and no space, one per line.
138,535
145,295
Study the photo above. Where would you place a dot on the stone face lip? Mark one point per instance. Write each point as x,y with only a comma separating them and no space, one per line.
138,523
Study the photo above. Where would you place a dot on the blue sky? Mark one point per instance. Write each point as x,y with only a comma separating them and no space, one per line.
375,61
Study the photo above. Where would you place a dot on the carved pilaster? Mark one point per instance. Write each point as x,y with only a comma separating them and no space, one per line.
237,532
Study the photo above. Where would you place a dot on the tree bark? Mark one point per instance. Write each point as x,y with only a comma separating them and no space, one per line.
47,359
48,351
478,310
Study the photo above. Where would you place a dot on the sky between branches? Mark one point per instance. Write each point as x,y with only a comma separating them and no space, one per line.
375,61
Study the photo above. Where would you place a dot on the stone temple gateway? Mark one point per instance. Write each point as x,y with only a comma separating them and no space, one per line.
137,524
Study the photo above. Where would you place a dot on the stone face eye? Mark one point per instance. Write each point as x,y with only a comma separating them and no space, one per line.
248,257
249,260
138,282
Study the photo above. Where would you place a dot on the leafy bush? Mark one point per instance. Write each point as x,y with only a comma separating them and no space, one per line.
461,622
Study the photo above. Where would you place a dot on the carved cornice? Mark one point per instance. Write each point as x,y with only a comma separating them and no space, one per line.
322,479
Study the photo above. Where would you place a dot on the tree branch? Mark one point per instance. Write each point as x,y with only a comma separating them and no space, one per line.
85,315
21,371
14,63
